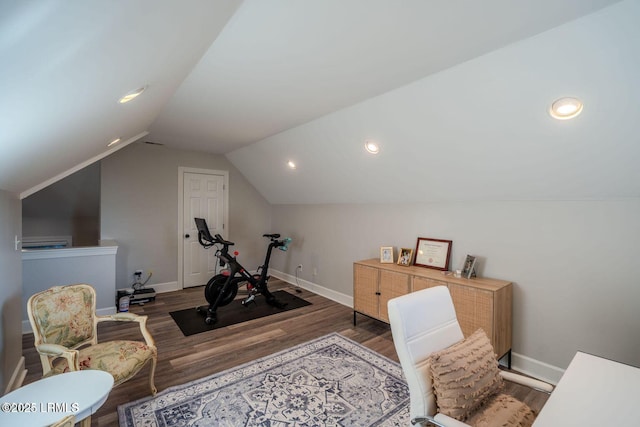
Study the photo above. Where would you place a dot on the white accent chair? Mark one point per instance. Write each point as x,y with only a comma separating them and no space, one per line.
422,323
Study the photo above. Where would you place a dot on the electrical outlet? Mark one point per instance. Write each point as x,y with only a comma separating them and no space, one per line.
299,267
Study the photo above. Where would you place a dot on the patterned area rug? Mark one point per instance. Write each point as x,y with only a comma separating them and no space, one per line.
331,381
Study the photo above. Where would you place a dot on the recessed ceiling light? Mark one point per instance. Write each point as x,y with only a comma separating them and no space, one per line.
371,146
291,164
114,142
565,108
132,95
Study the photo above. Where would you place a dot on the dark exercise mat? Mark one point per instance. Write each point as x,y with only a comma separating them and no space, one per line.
191,322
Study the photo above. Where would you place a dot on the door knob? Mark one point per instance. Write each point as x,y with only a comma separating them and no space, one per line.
186,236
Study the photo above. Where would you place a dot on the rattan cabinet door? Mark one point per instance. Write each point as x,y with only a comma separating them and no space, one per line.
420,283
474,309
365,290
392,285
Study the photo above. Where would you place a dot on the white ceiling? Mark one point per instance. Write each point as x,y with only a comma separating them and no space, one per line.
455,91
65,64
281,63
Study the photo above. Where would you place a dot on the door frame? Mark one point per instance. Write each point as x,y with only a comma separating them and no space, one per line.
225,220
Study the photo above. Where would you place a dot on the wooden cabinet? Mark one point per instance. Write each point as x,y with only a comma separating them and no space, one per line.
366,295
419,283
392,284
479,303
376,288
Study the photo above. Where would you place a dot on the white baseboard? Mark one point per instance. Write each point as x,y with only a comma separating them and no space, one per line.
535,368
158,287
165,287
17,378
519,362
315,288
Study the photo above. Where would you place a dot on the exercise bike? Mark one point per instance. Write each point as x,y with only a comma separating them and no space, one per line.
222,288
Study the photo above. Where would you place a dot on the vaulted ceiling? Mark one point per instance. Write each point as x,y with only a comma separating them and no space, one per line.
455,92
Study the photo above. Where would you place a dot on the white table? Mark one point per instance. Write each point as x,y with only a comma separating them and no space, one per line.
593,391
50,399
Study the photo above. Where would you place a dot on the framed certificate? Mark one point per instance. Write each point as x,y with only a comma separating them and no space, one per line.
433,253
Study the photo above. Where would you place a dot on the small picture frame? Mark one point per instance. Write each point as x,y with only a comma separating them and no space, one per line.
386,254
469,267
405,256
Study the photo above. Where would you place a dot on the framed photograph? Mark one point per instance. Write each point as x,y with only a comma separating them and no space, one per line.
469,267
405,256
433,253
386,254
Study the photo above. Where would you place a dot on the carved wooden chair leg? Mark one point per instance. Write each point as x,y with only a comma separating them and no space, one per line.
154,390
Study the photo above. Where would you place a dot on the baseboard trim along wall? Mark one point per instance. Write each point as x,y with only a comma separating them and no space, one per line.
158,287
519,362
535,368
165,287
313,287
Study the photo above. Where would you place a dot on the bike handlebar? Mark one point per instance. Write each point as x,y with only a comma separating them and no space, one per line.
220,240
204,241
207,240
283,244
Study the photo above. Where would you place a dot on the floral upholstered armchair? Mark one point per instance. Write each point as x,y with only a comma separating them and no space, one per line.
65,327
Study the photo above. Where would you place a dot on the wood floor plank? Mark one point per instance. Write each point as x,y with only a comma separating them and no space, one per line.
182,359
206,351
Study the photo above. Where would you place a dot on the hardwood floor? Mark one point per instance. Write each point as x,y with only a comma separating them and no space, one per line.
182,359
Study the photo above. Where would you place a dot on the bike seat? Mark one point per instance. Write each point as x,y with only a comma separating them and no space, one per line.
271,236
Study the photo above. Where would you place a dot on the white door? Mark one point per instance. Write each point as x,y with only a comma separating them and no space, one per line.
203,197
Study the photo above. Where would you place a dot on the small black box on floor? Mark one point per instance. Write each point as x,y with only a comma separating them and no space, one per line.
125,297
141,296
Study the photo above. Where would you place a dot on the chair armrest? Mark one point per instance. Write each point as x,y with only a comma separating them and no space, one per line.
440,420
53,349
426,421
447,421
130,317
122,317
526,381
56,350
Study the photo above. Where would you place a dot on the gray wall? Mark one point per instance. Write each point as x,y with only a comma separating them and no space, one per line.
139,210
10,287
41,271
573,263
69,207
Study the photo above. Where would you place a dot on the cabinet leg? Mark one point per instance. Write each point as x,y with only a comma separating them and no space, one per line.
354,318
505,359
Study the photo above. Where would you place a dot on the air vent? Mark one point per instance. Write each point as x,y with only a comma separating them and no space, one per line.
152,143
